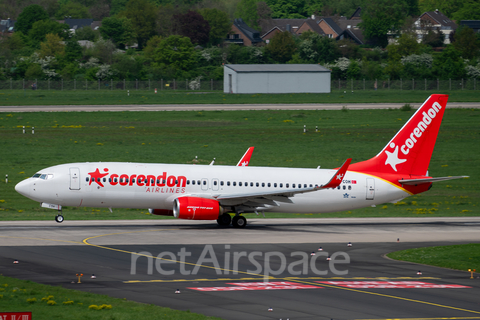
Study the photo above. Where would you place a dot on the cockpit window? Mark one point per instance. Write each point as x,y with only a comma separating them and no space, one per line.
36,175
43,176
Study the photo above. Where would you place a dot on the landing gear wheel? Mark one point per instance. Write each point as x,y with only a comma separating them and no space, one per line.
239,222
224,220
59,218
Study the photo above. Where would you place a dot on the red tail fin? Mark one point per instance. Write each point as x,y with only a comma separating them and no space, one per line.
410,150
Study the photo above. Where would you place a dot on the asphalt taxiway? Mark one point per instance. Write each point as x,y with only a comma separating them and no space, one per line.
224,107
241,273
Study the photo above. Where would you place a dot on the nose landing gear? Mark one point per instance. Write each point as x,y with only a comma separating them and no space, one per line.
59,218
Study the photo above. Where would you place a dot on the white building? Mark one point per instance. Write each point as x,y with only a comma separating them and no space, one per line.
276,78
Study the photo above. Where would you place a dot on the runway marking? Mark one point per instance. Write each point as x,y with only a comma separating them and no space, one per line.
273,278
451,318
76,242
252,286
85,241
392,284
388,296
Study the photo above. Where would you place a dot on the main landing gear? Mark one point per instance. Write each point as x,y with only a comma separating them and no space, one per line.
237,222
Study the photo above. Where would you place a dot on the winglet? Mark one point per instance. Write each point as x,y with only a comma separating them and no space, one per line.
338,176
246,158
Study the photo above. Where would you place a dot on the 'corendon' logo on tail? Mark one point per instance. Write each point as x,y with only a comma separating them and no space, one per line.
96,176
411,140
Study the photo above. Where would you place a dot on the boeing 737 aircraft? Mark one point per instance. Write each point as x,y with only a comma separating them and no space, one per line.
207,192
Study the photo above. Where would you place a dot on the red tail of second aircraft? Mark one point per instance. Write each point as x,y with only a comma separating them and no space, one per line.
410,150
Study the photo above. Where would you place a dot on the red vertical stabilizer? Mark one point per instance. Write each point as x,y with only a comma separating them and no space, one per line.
410,150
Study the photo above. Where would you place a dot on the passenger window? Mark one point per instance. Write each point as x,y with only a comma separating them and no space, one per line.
293,185
281,185
275,185
116,179
188,181
257,184
268,185
287,185
215,182
204,183
221,183
311,185
263,184
87,179
104,179
251,184
344,187
338,187
349,187
228,183
240,184
198,182
234,183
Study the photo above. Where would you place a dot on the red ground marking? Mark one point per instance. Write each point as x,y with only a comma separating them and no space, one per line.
391,284
250,286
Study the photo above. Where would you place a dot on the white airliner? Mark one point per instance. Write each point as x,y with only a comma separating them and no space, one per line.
207,192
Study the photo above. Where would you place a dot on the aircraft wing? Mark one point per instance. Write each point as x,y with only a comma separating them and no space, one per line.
425,180
256,199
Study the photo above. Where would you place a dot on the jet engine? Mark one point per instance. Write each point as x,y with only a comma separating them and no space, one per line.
193,208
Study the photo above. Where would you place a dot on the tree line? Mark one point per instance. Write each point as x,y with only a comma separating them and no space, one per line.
185,40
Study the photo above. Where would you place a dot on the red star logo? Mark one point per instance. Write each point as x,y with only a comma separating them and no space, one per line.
96,176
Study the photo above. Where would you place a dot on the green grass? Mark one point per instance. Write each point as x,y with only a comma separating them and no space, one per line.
459,257
177,137
21,295
107,97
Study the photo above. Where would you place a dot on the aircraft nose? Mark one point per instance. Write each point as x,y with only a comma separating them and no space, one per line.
24,188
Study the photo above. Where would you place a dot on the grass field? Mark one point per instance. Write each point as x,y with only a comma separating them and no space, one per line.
48,302
177,137
107,97
459,257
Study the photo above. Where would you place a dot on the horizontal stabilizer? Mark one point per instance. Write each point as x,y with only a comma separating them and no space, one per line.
425,180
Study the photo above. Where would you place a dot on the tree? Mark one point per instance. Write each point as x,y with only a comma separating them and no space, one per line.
119,30
152,44
449,64
466,42
469,11
86,33
43,27
52,46
74,10
406,45
247,10
175,51
73,51
166,25
143,15
434,38
29,16
447,7
282,47
379,17
117,6
219,24
288,9
194,26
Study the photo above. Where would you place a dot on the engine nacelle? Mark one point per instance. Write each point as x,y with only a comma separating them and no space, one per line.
161,212
192,208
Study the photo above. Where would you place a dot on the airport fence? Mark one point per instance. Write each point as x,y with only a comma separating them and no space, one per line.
217,85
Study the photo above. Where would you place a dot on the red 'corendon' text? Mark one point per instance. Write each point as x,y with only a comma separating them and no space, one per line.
148,180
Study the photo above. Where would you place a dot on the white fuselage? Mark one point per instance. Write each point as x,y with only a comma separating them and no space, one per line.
142,185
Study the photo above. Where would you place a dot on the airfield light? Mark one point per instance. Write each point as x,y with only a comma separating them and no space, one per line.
79,276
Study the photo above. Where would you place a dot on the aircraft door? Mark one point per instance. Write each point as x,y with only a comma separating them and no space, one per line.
74,179
215,184
370,188
204,184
